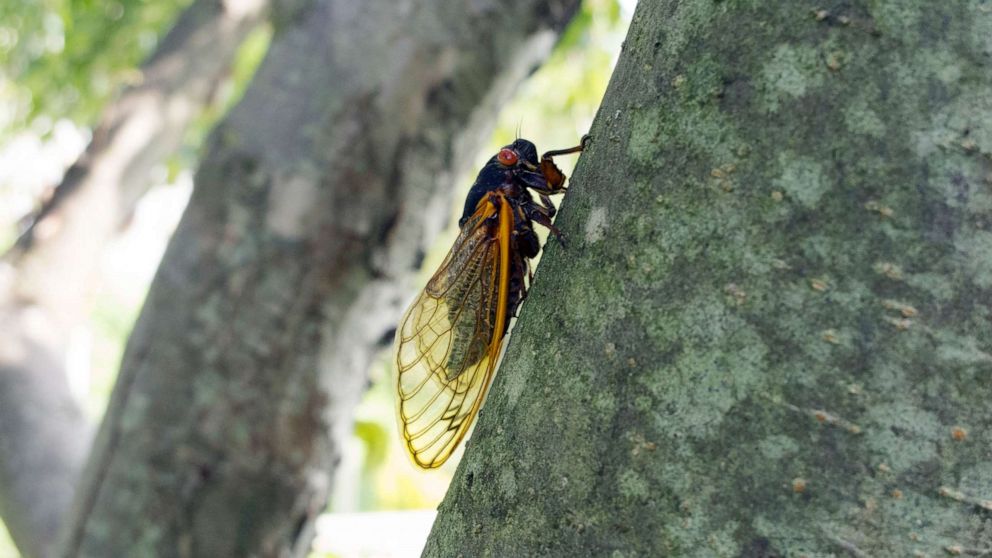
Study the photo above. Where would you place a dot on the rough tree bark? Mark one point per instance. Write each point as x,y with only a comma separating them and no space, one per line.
45,279
311,209
770,335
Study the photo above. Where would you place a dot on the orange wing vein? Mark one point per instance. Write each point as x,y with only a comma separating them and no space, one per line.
449,340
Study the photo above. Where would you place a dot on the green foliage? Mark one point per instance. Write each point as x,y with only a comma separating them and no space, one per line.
598,14
375,438
65,58
111,319
7,549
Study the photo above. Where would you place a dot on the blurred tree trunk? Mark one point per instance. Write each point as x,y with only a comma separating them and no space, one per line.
771,334
312,207
46,278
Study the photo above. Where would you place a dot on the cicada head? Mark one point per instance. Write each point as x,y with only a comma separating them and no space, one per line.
526,150
520,153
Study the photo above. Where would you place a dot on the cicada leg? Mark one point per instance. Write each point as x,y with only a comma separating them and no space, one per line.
552,174
551,211
542,218
556,152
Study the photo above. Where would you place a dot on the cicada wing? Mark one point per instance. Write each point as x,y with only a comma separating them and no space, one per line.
448,342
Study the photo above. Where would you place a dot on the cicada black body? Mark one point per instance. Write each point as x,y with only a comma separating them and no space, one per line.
449,340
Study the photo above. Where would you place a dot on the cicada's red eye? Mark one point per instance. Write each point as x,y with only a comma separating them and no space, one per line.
507,157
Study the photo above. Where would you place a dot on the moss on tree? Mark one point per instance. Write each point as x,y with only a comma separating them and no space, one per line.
770,335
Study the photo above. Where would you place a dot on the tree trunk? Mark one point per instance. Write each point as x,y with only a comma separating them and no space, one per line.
770,335
46,278
311,210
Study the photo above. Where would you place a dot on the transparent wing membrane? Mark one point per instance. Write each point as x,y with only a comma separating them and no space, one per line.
449,340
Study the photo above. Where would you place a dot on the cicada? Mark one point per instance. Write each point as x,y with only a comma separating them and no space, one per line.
449,341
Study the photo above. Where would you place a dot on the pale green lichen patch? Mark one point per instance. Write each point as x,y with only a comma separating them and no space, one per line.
861,119
695,129
802,179
902,435
900,452
702,130
981,30
698,535
701,82
900,19
791,72
960,350
928,142
935,526
962,126
778,446
976,252
885,376
721,541
642,144
604,404
976,482
945,64
598,317
631,485
799,538
699,384
508,482
938,286
683,25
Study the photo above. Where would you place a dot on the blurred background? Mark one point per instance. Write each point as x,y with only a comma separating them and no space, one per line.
61,61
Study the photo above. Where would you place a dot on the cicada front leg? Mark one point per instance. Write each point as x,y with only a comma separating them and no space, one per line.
552,174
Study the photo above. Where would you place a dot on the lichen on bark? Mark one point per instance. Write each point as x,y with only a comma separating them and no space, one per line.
770,335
